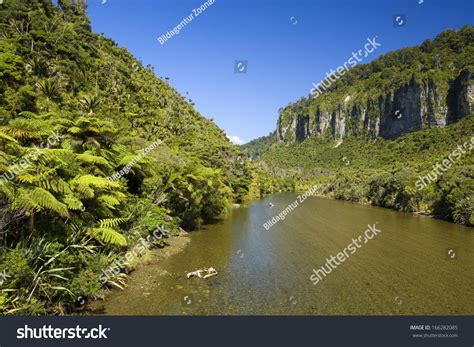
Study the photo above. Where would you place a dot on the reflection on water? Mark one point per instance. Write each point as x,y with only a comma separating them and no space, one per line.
407,269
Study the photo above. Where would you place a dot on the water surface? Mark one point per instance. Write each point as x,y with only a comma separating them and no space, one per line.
405,269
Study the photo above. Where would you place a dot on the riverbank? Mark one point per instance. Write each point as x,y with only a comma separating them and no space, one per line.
268,272
366,202
147,270
140,272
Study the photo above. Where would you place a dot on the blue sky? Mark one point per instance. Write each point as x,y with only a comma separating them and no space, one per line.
288,45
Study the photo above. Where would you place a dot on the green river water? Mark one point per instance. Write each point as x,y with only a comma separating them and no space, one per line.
407,268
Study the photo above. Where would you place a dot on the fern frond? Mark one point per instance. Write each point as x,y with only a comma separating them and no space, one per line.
128,159
28,177
95,181
6,187
38,199
107,236
22,128
118,195
72,202
109,201
29,114
85,191
57,154
47,200
84,122
55,185
24,201
65,122
74,130
7,138
111,222
92,159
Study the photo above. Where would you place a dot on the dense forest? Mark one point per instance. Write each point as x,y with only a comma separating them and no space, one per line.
403,91
97,152
337,139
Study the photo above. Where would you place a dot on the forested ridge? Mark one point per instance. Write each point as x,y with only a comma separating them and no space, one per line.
336,140
96,154
410,89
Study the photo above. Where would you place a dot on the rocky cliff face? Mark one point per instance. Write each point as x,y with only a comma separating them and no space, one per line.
414,106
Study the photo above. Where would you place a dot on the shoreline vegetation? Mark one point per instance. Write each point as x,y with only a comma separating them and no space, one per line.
152,258
63,219
176,244
395,132
78,205
384,173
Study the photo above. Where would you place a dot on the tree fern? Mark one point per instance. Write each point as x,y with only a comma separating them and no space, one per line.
7,138
73,203
56,185
95,181
109,201
45,199
93,159
111,222
107,236
22,128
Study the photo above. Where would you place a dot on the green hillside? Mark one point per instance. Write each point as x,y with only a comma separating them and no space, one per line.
427,84
385,172
96,154
337,139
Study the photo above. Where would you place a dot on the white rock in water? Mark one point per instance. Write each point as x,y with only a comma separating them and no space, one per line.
209,272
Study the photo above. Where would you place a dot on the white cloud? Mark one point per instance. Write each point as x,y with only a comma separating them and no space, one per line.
236,140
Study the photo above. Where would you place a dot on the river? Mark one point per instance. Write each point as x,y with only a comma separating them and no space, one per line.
414,265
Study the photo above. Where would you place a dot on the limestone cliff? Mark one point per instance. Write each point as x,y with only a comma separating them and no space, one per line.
404,91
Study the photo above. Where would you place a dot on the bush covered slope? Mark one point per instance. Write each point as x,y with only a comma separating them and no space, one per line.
414,88
349,156
96,153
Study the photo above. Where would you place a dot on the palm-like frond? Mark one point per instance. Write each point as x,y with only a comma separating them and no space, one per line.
111,222
90,103
38,199
86,185
23,128
107,236
109,201
93,159
49,88
7,138
72,202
